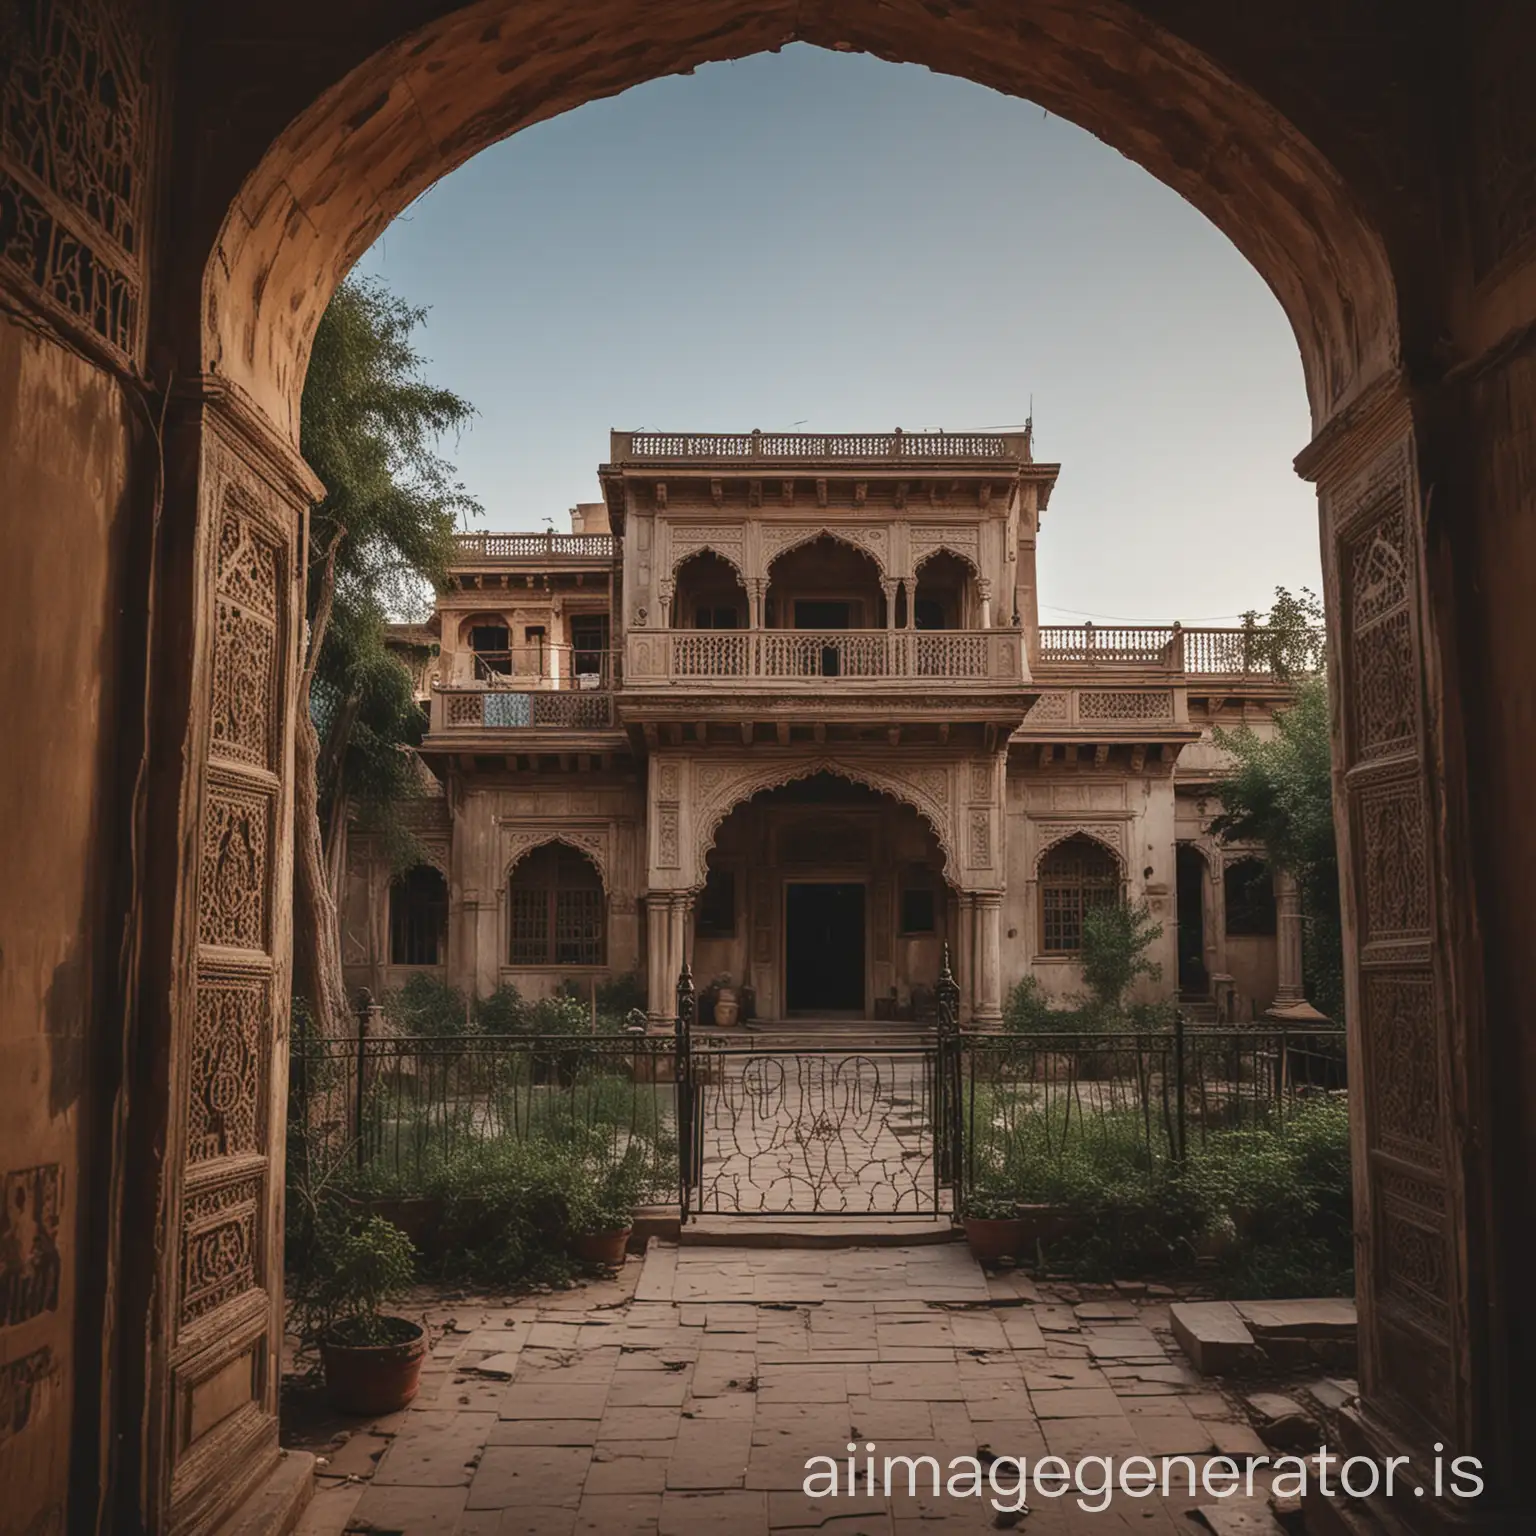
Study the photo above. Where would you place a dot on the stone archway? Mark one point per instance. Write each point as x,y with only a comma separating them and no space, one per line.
281,162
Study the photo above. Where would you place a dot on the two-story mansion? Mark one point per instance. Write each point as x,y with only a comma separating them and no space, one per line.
781,704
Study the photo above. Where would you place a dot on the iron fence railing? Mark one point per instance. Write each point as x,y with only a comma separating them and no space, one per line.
1030,1104
404,1106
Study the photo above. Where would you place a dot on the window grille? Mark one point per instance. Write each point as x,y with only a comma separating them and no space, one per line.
1075,877
558,912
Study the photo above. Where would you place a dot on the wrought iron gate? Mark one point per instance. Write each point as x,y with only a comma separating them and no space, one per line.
821,1130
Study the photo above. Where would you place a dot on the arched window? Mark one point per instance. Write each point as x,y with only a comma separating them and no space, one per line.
558,912
418,917
1249,891
1077,875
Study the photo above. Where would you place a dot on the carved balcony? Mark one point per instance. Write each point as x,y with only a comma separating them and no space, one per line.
885,673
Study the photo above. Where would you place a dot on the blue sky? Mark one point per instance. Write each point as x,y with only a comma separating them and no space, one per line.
828,241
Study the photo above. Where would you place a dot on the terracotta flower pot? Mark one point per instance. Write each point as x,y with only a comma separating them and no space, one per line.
992,1239
601,1247
375,1378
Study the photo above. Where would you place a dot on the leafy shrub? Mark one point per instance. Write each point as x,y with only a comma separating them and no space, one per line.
502,1013
1116,938
427,1006
355,1269
1026,1010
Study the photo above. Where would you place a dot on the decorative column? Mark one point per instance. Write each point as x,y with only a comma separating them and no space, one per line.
679,936
890,586
984,592
965,952
1288,985
659,979
755,602
987,971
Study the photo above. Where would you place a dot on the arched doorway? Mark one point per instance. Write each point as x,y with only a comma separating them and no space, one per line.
1192,875
838,900
1429,613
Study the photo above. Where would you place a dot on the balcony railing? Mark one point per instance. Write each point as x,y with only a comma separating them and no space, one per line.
513,709
992,656
905,447
536,546
1170,648
538,666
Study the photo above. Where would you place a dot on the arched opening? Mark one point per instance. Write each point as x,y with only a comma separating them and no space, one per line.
557,911
1248,896
709,594
830,591
486,639
361,148
1191,875
826,899
1075,876
945,593
418,917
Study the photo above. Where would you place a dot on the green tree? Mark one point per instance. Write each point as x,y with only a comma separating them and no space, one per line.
1280,793
383,534
1116,938
1291,640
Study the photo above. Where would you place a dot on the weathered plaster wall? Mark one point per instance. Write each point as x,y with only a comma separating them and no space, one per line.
1132,815
64,482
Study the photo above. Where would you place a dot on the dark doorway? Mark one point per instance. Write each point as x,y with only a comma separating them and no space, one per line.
824,948
822,613
1193,976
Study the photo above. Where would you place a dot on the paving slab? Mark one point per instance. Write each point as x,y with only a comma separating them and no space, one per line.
1325,1318
1213,1335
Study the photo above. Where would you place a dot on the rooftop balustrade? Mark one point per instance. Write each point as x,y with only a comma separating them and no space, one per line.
819,447
1188,653
535,547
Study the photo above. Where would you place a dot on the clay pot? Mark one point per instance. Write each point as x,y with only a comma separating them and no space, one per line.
606,1248
727,1007
375,1378
994,1239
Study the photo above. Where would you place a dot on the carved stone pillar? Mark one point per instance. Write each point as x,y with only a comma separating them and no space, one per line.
755,589
207,1123
984,592
1288,985
659,981
890,586
987,973
679,932
964,951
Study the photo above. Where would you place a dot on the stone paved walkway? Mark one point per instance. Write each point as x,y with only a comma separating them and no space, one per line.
595,1410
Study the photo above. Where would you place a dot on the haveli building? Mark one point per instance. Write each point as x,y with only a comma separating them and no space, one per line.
782,704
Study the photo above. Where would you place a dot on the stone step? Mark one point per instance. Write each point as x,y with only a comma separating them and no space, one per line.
1213,1335
818,1232
1223,1337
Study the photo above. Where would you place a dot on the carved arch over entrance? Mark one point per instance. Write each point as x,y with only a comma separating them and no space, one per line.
520,843
871,542
926,790
1109,834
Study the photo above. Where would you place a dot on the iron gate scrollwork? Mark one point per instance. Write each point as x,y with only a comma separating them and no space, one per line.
817,1130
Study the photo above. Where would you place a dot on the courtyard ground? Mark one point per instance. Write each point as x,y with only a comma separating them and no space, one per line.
685,1395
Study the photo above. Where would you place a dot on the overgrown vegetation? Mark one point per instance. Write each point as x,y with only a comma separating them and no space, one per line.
1261,1209
1116,938
370,425
1280,793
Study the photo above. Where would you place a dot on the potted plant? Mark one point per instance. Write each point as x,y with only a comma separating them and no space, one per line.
372,1360
727,1003
993,1229
603,1211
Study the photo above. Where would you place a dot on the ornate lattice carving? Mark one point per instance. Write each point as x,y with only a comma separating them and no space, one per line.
1399,1035
667,781
667,849
962,541
1385,681
1395,883
76,131
925,788
1048,708
246,652
981,840
221,1245
227,1068
725,541
779,540
981,781
232,905
1142,704
1049,833
1413,1270
519,842
466,708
